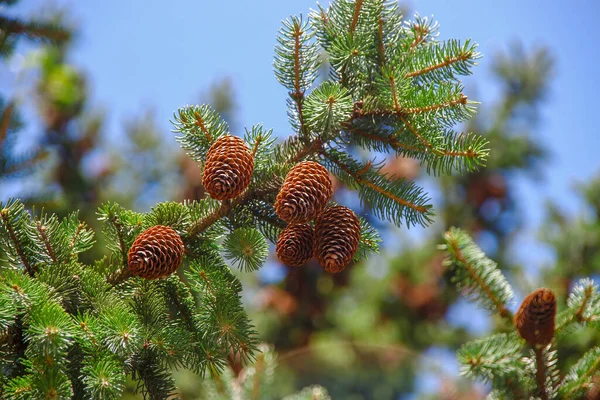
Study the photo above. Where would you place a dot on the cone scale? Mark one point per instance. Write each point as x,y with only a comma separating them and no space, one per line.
535,318
228,168
295,244
337,234
156,253
304,194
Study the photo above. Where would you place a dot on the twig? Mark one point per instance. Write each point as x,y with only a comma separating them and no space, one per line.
420,110
13,237
540,374
504,312
357,7
360,180
42,231
298,95
5,120
448,61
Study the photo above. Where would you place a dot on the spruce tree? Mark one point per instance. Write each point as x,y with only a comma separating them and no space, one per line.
14,31
70,329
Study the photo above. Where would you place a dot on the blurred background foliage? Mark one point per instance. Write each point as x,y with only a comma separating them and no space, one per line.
386,328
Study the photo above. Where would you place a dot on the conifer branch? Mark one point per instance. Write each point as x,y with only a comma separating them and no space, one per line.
417,134
447,62
540,375
380,42
5,120
481,276
357,6
298,95
420,37
34,30
42,232
462,99
358,177
199,122
16,243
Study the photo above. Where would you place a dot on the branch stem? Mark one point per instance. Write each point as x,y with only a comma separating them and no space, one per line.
502,310
13,237
540,375
448,61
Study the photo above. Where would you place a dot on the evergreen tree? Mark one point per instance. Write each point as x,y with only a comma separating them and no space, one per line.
71,329
14,165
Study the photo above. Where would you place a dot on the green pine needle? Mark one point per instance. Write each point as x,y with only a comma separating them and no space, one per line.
246,248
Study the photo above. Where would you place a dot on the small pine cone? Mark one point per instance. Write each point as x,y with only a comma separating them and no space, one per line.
156,253
295,244
305,192
535,318
228,168
337,233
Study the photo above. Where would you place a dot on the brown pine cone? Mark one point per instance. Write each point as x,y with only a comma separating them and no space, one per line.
156,253
305,192
295,244
228,168
337,233
535,318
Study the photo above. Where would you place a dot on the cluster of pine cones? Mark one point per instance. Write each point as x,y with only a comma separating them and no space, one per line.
333,241
303,197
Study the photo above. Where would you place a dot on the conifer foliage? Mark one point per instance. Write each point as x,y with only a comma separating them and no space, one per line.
74,330
522,363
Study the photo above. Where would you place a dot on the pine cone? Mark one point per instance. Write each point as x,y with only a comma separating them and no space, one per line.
156,253
337,233
535,318
228,168
305,192
295,244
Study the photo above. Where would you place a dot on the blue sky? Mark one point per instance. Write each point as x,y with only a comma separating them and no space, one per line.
154,54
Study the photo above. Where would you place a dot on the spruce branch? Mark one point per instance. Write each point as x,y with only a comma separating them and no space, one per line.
540,366
476,274
495,358
583,307
32,30
395,200
357,7
444,61
580,377
18,236
5,121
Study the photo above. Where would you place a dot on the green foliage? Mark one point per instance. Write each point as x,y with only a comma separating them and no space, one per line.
583,307
200,126
495,358
477,275
246,248
502,359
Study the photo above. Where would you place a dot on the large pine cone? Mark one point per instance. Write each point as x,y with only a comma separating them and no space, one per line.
535,318
337,233
156,253
228,168
295,244
305,192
